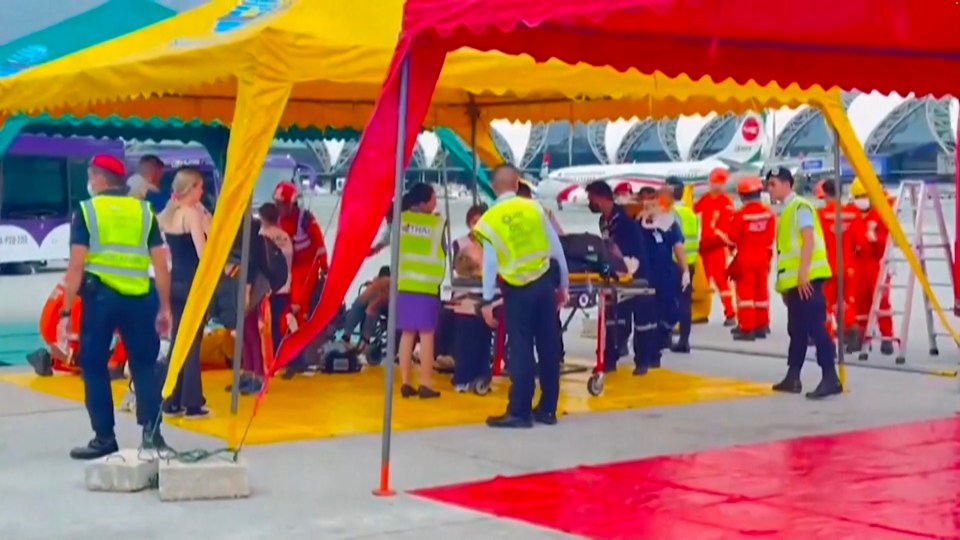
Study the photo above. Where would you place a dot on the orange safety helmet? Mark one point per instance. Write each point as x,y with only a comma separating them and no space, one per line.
818,190
749,185
285,192
719,176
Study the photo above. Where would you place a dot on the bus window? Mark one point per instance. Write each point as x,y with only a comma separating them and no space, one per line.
267,183
77,168
34,187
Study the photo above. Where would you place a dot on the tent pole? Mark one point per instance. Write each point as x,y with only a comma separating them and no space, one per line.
241,307
474,119
446,204
384,489
838,232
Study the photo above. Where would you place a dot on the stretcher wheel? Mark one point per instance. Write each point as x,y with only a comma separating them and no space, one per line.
374,354
595,384
863,357
481,387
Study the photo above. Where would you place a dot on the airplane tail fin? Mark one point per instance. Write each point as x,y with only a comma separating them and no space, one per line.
749,139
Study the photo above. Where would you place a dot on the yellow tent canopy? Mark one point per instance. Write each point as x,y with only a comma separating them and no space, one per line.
321,62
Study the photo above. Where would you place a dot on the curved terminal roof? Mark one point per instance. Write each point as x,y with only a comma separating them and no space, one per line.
430,145
868,110
516,134
688,127
780,118
616,131
954,111
334,148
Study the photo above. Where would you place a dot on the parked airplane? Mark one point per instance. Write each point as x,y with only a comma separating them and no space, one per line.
744,154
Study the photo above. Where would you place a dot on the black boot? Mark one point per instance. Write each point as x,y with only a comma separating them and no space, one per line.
740,335
853,341
509,421
153,440
95,449
683,348
790,384
886,347
829,386
730,321
41,362
763,332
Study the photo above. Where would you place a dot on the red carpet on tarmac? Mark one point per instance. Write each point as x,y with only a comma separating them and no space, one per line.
891,483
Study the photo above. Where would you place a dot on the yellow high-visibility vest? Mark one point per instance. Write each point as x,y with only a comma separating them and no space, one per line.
119,255
422,259
788,247
690,227
515,229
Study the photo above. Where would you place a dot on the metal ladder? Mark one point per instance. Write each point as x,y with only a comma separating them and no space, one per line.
914,199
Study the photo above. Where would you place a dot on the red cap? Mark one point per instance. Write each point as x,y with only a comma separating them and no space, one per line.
110,164
718,176
751,184
285,192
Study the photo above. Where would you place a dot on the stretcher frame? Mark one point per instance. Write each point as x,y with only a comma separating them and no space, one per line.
581,293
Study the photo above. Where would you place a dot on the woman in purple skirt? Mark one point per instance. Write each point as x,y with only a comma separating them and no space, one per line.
418,312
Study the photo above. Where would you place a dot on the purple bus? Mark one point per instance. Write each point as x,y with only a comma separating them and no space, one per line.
42,179
276,168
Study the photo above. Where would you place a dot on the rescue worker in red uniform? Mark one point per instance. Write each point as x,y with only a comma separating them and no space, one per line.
867,268
716,212
752,232
309,248
852,242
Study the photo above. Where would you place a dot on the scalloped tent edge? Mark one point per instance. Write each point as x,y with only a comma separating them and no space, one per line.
869,44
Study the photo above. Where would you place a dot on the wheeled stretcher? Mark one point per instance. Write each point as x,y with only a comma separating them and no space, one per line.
587,290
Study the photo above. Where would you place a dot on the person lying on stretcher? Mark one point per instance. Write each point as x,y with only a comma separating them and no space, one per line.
62,358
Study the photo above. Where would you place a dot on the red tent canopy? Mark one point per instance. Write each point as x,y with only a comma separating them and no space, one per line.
863,44
887,45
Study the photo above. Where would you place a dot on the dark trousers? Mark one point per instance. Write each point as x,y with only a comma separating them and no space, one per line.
108,311
530,320
471,350
684,305
278,309
639,316
446,337
189,390
806,320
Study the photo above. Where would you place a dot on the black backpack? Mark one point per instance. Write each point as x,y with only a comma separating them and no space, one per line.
276,270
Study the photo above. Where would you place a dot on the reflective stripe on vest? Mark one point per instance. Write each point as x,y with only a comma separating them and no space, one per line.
301,239
515,229
421,253
690,227
788,247
119,231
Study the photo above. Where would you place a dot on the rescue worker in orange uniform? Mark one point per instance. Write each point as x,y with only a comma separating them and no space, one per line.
716,211
309,248
752,232
867,268
54,358
852,242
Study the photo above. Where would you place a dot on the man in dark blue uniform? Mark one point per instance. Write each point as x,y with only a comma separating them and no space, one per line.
627,239
667,260
114,239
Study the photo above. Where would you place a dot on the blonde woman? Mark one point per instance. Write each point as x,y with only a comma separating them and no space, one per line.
185,224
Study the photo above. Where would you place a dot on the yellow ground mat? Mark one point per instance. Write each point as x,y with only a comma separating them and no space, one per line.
335,405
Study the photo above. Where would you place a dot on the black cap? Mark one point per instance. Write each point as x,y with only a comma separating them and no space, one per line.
781,173
673,181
